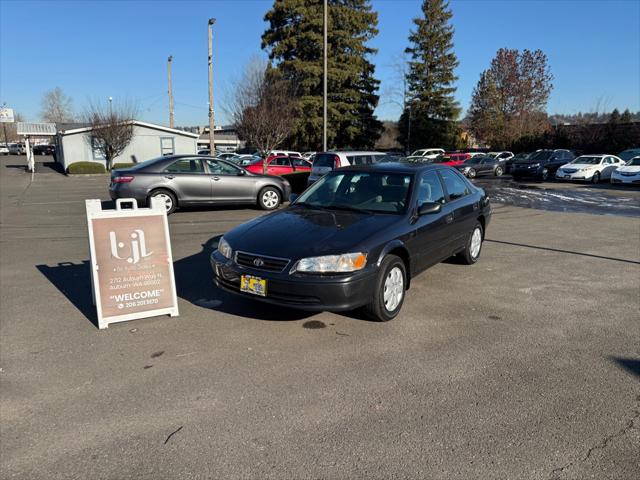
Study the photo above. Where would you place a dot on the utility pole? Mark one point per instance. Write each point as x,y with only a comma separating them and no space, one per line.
169,60
324,82
212,145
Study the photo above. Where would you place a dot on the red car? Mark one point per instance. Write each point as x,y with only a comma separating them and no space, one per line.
280,165
453,159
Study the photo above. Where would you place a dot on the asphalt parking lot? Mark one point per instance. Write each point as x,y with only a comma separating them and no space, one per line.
523,366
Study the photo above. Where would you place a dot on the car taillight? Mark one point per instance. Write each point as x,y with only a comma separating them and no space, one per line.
122,179
336,161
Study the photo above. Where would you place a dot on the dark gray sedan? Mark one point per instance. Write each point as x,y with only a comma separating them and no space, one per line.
183,180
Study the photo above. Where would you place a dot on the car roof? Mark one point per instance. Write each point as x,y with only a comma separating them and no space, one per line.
396,167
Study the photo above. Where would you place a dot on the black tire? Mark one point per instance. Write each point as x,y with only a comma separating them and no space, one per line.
595,178
498,172
471,173
467,255
376,309
170,199
269,198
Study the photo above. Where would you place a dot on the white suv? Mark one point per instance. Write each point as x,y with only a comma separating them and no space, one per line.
286,153
326,161
426,154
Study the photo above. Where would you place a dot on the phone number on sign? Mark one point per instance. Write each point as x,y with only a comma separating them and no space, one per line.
139,303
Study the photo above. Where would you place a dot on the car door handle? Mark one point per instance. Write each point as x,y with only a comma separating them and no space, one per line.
449,218
216,178
170,177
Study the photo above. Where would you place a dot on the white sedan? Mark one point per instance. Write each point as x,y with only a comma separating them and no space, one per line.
591,168
630,173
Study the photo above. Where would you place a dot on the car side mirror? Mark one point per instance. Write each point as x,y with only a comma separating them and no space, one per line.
241,173
429,207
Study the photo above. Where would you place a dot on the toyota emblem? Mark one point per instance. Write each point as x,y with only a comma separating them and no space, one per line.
258,262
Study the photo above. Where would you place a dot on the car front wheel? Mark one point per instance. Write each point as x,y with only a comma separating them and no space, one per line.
269,198
471,173
471,251
498,172
596,177
389,291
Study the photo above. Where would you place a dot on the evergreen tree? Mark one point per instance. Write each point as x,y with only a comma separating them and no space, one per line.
625,117
614,118
294,43
429,119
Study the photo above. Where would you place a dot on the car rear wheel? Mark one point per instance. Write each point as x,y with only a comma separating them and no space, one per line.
498,172
596,178
269,198
471,251
389,291
471,173
168,198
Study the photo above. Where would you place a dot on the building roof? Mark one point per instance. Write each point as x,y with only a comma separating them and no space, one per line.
138,123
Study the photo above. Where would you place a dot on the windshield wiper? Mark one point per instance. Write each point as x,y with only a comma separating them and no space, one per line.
348,208
309,205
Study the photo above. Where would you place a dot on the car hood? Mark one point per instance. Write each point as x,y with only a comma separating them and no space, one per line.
298,232
579,165
629,169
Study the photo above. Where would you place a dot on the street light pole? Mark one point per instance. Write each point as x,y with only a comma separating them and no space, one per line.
169,60
212,145
324,81
110,109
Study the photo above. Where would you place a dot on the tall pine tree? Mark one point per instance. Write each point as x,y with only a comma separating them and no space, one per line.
429,120
294,43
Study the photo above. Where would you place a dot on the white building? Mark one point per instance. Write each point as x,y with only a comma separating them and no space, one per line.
149,141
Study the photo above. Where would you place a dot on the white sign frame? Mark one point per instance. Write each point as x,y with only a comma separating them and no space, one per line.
95,211
6,115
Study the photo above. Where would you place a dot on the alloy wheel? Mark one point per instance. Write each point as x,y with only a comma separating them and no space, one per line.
270,199
166,199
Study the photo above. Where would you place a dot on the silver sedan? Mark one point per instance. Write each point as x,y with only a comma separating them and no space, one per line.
183,180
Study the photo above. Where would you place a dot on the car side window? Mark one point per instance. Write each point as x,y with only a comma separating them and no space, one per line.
220,168
455,185
185,165
430,189
299,162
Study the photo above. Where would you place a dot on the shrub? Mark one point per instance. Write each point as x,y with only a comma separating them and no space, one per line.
86,167
298,181
120,166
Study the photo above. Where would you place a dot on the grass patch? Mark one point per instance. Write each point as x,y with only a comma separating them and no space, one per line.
79,168
122,166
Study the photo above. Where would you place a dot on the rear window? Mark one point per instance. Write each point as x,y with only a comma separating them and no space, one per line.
324,160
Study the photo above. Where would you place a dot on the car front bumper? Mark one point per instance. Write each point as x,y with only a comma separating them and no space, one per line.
588,175
305,292
630,179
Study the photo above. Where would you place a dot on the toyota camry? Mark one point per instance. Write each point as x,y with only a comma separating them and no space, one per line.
355,239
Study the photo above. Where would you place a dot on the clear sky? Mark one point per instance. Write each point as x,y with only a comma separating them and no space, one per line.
97,49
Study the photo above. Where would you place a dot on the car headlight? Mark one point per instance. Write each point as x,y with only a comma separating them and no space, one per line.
224,248
349,262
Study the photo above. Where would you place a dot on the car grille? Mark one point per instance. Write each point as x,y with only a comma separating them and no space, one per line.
569,170
628,174
261,262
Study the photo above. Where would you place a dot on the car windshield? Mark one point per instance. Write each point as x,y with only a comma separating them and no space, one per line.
146,163
417,153
634,162
587,161
629,154
359,191
541,155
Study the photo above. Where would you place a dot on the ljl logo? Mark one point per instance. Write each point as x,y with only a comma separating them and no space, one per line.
137,248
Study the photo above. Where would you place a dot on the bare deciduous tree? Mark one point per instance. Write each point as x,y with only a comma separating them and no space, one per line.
112,128
263,107
57,107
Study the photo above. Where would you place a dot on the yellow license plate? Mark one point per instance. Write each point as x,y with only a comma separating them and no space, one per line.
253,285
